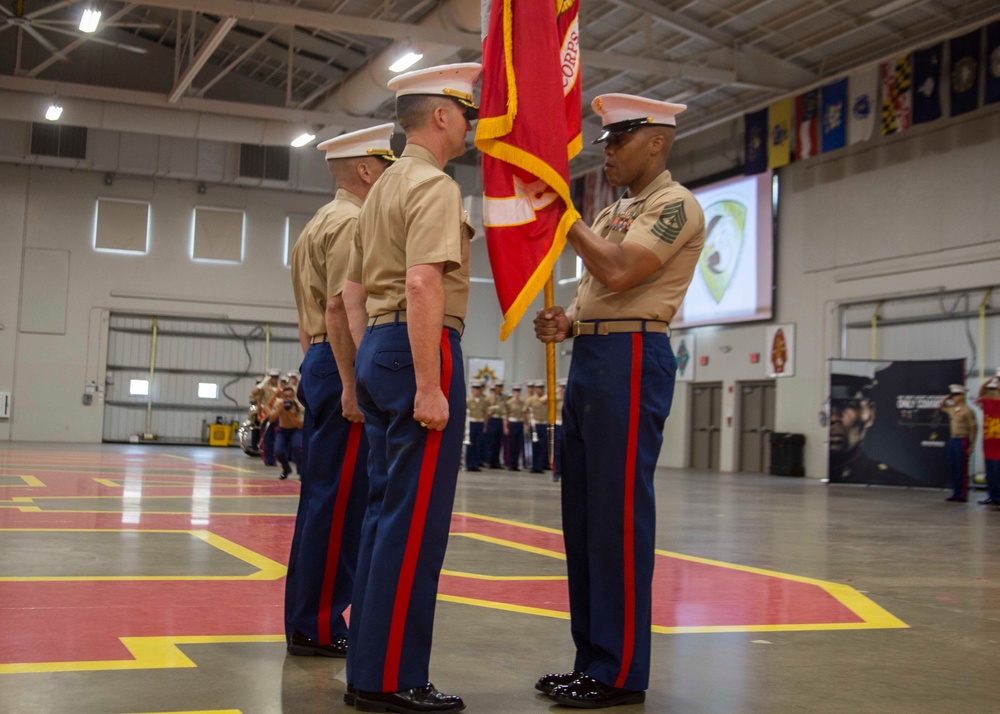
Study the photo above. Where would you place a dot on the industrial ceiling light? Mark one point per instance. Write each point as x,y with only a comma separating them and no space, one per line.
302,139
53,112
89,20
405,62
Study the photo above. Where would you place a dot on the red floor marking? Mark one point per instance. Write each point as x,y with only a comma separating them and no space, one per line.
83,620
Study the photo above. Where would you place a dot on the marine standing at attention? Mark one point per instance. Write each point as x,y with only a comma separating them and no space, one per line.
324,551
639,258
412,259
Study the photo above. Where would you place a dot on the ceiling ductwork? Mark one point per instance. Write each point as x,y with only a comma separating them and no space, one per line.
365,91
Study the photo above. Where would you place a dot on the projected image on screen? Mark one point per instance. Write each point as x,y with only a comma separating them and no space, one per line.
732,282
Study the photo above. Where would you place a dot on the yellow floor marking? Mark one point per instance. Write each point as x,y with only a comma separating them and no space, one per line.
29,481
213,463
147,653
38,509
122,482
479,576
512,544
872,616
201,711
114,497
524,609
140,469
509,522
267,569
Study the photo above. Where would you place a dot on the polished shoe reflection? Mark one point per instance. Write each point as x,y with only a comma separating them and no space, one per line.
301,646
547,682
588,693
419,699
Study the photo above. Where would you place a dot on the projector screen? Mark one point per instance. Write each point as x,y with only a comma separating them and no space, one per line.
734,277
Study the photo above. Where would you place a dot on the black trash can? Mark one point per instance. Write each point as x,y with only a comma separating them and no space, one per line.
786,454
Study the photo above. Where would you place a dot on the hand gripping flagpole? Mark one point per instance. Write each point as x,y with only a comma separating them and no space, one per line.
550,376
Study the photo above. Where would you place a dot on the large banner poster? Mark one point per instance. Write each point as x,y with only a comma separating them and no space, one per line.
885,425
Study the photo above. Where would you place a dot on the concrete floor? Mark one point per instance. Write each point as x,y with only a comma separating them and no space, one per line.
174,546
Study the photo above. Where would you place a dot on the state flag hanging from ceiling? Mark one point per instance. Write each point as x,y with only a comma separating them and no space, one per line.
779,134
965,61
863,88
992,93
897,95
834,115
529,128
755,142
807,118
927,84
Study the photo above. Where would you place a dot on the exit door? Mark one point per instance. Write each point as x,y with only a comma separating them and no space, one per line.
706,425
756,425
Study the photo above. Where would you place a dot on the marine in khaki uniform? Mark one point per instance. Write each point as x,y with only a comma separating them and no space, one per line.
324,553
514,417
961,442
639,258
412,259
266,393
475,405
495,432
537,407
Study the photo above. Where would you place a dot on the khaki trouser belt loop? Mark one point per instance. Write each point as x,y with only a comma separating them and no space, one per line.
607,327
317,339
399,318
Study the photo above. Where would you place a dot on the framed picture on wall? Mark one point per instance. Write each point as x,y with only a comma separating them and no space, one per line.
485,369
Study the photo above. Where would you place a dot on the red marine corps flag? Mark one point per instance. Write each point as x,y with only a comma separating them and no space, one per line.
529,129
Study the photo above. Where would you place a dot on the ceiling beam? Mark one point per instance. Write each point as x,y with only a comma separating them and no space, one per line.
346,24
191,104
204,52
752,66
331,22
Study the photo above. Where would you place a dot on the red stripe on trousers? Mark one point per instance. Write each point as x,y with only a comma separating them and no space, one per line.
628,550
337,531
404,586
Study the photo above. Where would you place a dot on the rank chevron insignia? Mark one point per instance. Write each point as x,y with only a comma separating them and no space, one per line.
671,221
724,222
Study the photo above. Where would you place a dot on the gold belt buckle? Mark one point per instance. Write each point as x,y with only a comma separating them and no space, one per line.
576,329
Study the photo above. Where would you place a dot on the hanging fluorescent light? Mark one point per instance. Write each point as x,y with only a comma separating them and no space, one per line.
302,139
405,62
53,112
89,20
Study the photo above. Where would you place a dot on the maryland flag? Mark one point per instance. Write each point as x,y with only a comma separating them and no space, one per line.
529,128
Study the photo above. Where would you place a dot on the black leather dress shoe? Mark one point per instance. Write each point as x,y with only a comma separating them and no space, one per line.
986,501
547,682
302,646
418,699
956,499
350,695
587,693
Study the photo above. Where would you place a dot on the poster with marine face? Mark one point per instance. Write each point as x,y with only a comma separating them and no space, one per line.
884,423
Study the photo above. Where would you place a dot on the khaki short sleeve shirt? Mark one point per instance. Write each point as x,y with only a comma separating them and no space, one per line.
319,259
412,216
666,219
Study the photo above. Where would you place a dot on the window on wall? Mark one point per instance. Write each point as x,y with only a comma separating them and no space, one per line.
294,225
218,235
122,226
208,390
138,387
